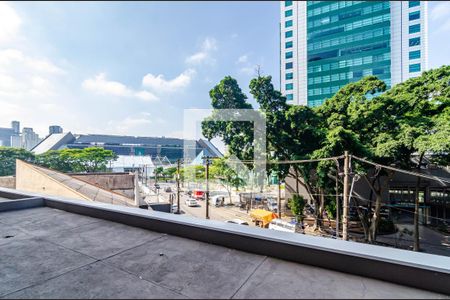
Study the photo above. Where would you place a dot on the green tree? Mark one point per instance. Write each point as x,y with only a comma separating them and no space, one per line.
169,172
54,160
192,173
297,205
93,159
422,113
353,120
8,156
226,176
237,135
158,172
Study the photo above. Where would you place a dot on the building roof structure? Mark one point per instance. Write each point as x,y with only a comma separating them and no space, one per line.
127,140
53,142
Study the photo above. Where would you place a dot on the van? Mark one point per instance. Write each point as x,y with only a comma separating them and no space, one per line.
218,200
280,225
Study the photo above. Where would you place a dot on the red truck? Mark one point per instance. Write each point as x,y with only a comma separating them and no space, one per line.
198,194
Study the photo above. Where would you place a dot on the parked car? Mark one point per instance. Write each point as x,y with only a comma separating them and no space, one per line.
168,189
157,186
237,221
174,208
191,202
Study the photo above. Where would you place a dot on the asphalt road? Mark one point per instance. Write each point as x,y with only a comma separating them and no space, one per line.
223,213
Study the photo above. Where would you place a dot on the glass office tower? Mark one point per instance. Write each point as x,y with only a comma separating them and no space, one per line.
327,44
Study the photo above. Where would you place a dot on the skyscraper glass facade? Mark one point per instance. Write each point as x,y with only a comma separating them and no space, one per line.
328,44
345,44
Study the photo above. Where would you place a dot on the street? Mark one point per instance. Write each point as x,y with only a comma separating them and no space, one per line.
223,213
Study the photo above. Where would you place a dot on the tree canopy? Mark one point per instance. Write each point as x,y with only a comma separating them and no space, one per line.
8,158
388,126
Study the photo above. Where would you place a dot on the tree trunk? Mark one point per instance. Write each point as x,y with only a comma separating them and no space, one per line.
364,222
375,218
319,204
296,182
376,214
416,207
316,201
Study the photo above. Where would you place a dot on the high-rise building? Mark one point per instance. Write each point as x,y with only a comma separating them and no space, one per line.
8,136
54,129
15,125
328,44
29,138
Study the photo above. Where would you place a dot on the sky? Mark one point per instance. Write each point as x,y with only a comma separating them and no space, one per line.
134,67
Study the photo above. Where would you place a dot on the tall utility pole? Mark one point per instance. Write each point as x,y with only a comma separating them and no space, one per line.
279,197
337,199
207,187
345,200
178,186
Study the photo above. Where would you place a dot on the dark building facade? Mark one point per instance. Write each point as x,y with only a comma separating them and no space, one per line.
172,148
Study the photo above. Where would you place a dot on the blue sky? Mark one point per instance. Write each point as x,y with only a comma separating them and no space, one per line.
133,67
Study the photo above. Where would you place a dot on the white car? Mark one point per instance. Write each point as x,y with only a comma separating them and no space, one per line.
237,221
191,202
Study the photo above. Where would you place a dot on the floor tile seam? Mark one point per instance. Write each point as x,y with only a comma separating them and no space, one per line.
144,279
248,278
29,235
39,282
58,231
134,247
55,243
68,248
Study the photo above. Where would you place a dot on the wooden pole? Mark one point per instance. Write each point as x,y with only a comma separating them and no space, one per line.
337,199
279,197
207,187
178,186
345,200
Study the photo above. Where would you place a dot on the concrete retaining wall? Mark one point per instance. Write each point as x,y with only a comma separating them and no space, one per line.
8,182
122,183
31,180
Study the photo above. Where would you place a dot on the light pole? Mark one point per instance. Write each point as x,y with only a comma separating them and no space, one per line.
178,186
207,186
345,200
279,197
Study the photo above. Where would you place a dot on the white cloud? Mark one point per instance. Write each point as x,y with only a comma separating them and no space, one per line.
234,35
14,58
242,59
153,86
440,16
208,46
158,84
141,123
102,86
24,78
9,23
441,10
